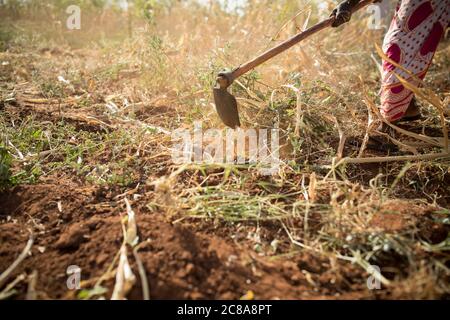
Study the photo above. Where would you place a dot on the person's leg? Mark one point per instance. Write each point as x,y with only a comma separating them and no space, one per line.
411,42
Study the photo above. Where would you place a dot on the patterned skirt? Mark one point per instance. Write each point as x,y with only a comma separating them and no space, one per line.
412,39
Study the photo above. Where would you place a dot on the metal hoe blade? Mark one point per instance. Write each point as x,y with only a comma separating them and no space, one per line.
226,106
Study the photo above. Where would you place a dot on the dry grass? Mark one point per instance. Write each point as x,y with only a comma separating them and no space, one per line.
131,93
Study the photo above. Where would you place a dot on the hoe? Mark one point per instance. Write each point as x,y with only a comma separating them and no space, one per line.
226,104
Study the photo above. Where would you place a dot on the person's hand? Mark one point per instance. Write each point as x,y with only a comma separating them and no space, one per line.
343,12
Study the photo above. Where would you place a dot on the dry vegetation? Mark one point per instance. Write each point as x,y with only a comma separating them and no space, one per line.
87,177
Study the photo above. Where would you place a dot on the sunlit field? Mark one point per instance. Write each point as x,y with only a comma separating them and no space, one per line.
88,179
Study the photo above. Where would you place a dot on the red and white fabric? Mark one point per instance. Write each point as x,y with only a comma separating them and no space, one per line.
412,40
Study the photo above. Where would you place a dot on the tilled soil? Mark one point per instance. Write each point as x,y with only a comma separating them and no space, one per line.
76,225
180,263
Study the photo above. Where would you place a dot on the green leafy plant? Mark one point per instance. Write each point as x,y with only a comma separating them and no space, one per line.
5,164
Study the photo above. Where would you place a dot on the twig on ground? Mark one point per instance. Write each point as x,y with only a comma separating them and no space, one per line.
32,281
142,273
124,276
4,276
9,289
429,156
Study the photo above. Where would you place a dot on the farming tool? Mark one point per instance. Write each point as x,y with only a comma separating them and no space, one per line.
226,104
